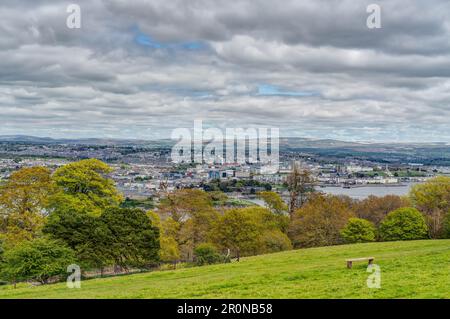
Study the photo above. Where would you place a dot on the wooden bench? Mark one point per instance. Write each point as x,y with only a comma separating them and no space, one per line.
350,261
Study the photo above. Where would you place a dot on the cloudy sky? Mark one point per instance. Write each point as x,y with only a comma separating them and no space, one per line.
138,69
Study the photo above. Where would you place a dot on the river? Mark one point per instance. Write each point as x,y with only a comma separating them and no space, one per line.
355,192
366,191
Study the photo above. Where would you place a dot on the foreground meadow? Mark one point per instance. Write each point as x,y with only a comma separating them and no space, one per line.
409,269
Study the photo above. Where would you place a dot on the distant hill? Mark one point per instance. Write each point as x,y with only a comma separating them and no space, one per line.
81,141
425,153
290,142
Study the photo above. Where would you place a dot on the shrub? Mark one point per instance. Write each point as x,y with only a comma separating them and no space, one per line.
274,241
37,260
206,254
404,224
358,230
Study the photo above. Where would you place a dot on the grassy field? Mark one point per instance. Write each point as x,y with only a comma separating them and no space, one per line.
414,269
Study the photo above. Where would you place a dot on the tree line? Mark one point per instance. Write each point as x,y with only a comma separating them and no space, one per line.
49,220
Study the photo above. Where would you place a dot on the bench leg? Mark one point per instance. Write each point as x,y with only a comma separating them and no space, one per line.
349,264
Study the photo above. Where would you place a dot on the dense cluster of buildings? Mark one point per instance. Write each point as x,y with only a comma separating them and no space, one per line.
148,172
136,179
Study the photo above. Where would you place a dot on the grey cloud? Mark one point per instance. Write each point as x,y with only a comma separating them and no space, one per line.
370,84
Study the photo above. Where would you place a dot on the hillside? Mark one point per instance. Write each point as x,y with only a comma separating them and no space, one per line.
414,269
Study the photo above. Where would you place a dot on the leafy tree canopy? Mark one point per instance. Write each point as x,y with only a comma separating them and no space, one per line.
23,201
358,230
132,239
404,224
87,181
319,221
274,202
433,199
38,260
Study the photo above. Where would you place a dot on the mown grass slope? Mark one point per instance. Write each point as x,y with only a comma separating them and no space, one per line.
409,269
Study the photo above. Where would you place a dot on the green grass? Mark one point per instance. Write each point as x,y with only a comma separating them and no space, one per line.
414,269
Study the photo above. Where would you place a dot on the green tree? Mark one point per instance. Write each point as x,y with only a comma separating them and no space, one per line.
268,220
87,182
273,231
26,190
238,230
123,237
319,221
404,224
84,233
358,230
191,214
83,193
433,200
250,231
170,252
182,204
274,202
132,239
23,199
22,227
375,209
38,260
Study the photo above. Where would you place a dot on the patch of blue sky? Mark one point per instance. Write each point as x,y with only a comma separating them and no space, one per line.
147,41
272,90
